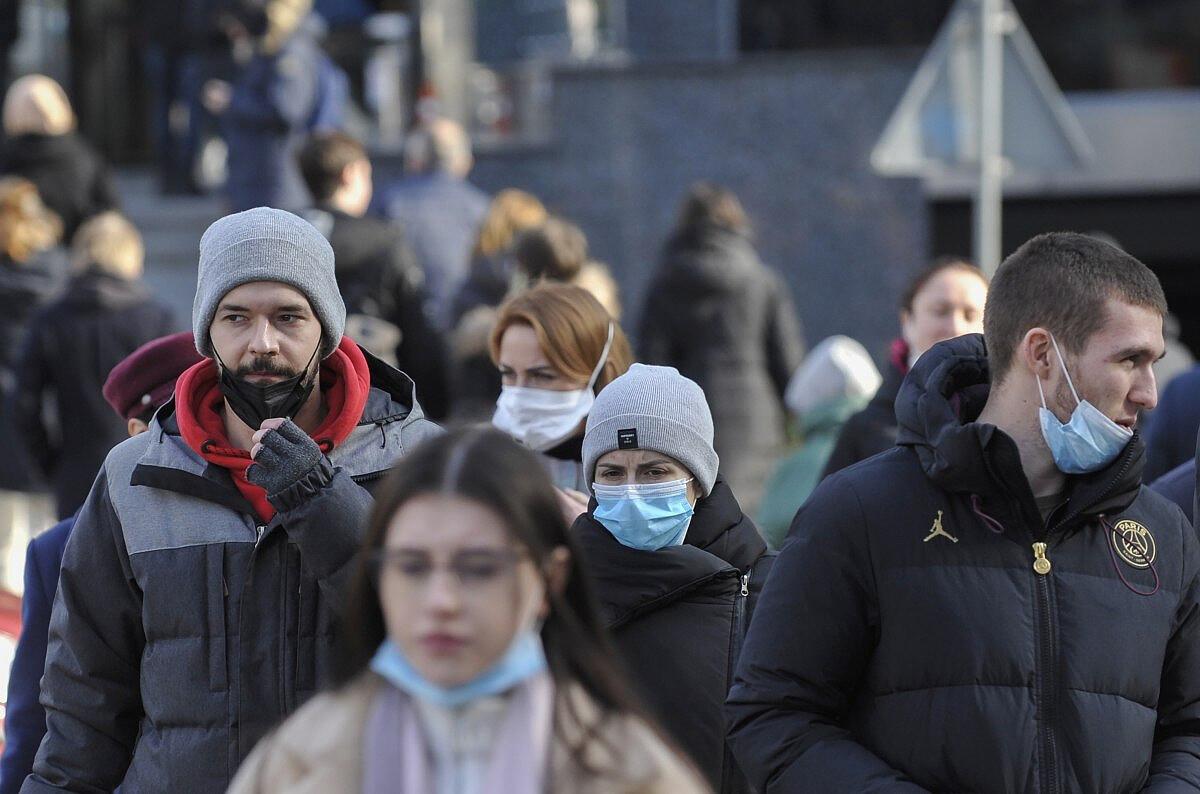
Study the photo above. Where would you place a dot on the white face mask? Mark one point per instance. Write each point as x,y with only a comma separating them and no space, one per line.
541,419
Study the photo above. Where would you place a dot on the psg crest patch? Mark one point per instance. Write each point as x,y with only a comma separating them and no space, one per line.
1134,544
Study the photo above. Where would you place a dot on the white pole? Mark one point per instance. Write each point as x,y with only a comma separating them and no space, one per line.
991,130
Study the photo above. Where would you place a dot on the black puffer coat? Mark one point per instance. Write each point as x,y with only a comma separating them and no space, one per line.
69,174
887,656
873,429
678,616
24,288
725,320
72,345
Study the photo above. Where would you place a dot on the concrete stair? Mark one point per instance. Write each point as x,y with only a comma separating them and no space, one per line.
171,227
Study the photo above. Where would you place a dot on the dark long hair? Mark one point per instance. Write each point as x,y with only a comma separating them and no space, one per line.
488,467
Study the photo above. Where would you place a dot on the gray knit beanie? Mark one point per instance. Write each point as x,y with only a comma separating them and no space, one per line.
265,244
653,408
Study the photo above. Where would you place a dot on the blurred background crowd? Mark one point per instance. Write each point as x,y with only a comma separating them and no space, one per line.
699,166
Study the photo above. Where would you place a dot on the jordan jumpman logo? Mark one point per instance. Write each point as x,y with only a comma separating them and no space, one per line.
938,530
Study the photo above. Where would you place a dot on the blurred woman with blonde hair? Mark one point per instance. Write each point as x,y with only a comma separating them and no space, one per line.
32,271
104,315
42,145
511,212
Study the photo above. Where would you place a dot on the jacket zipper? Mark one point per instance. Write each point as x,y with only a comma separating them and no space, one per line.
1046,678
1047,691
359,479
739,622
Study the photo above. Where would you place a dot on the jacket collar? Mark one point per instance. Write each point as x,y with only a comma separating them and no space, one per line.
721,542
936,409
370,449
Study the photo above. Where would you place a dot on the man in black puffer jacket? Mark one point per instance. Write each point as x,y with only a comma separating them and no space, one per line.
962,614
677,590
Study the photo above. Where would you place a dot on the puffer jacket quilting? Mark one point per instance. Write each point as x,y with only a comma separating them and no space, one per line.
885,656
184,629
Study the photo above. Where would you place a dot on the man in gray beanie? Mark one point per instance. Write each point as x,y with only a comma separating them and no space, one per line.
198,596
677,566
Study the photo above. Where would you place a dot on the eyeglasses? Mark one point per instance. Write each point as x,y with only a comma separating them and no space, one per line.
474,570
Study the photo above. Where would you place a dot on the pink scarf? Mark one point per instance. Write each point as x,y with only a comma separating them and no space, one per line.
396,757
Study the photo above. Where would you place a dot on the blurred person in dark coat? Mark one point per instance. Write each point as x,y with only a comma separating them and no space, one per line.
177,41
33,271
557,250
441,211
1172,426
474,380
73,342
286,88
488,279
1179,485
10,31
380,280
722,318
134,389
41,144
944,300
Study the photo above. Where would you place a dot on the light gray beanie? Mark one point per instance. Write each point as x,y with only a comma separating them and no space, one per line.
653,408
265,244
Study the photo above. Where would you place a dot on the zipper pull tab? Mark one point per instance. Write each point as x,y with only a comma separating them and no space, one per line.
1041,565
745,585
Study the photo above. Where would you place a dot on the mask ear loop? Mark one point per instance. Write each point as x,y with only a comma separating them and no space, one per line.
225,366
591,384
603,358
1062,363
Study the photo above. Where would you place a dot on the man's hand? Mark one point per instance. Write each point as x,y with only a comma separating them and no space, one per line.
573,504
283,455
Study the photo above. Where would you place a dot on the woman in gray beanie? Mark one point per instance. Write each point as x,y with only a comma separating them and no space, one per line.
676,564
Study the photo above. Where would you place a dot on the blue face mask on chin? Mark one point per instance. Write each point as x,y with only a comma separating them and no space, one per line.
524,659
646,516
1089,441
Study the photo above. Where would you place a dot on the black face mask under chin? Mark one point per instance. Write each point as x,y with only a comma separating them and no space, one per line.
253,403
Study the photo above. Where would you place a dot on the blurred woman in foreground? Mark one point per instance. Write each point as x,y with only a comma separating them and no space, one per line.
476,662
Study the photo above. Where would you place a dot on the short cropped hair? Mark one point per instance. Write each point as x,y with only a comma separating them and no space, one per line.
931,271
322,160
1061,281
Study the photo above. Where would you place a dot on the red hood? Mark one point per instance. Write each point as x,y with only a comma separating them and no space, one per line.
345,382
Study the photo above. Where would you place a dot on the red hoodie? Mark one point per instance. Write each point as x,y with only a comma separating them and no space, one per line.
345,381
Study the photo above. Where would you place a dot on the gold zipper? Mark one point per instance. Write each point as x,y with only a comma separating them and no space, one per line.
1041,565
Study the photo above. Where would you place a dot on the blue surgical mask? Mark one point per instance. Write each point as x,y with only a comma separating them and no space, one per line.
647,516
524,659
1087,443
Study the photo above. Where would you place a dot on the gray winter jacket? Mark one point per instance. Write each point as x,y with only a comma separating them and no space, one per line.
184,629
